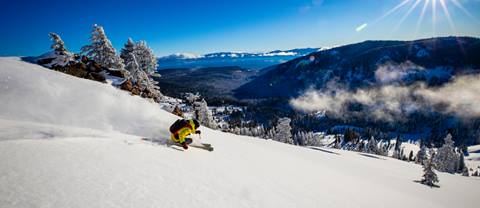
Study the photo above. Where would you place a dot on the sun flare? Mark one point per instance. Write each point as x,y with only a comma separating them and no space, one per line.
435,7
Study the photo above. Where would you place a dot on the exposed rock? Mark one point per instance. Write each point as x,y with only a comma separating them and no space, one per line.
136,91
177,111
118,73
127,85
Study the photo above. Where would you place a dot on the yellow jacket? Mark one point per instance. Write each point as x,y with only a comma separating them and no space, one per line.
183,132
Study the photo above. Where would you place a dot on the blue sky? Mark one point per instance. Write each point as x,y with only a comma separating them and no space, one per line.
202,26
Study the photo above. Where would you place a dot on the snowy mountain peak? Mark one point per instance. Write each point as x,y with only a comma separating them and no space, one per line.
182,56
242,59
292,52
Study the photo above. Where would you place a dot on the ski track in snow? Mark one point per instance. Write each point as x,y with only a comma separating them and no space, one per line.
68,142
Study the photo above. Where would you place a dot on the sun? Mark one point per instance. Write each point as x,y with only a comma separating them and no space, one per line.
435,6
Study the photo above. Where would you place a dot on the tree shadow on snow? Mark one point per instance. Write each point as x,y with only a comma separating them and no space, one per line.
421,182
29,59
322,150
371,156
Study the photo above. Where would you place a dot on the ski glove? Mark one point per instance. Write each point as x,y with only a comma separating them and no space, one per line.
197,132
184,145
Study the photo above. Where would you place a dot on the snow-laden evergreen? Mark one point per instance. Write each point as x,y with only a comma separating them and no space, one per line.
372,146
283,131
429,175
101,50
58,44
60,55
192,98
421,155
446,159
145,57
203,114
303,138
131,65
136,74
127,50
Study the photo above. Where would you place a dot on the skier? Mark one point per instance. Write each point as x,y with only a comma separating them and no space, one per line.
181,129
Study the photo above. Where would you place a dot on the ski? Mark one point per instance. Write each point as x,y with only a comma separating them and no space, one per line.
204,146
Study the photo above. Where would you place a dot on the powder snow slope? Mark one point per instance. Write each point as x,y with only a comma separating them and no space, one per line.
68,142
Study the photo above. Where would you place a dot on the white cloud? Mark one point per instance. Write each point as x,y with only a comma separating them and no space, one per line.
361,27
393,102
388,73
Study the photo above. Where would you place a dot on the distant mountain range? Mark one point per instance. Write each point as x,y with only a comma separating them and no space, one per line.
240,59
355,66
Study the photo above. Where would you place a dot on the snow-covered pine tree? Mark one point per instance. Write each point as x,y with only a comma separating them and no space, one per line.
372,146
253,131
308,139
101,50
465,172
60,54
421,155
305,138
410,156
137,75
381,149
461,163
338,141
402,154
242,131
358,146
192,98
317,138
271,133
296,138
236,130
429,176
128,48
283,131
58,44
446,159
132,67
248,131
397,151
302,138
261,132
203,114
146,59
